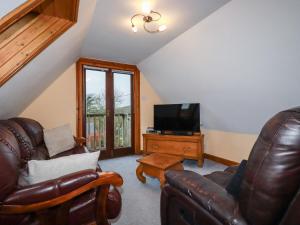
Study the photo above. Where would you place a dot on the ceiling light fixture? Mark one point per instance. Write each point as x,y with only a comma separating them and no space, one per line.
148,16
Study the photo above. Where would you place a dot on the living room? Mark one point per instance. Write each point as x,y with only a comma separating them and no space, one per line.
183,112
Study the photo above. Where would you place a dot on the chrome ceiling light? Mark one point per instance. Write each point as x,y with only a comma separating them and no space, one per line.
147,18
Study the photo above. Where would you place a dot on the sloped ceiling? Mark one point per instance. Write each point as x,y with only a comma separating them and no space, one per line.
26,85
241,63
110,36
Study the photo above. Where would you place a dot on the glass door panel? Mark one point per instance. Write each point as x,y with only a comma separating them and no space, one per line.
95,109
122,110
108,111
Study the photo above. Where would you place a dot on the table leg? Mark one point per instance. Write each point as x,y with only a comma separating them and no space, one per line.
139,173
162,179
200,162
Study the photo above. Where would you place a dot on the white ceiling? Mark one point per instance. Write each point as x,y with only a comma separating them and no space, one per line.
110,36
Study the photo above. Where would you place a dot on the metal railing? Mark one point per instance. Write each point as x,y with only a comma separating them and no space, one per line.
96,131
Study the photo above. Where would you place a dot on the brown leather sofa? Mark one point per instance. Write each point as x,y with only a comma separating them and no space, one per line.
78,198
270,189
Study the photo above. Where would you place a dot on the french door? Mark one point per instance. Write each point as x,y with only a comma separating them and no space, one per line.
108,110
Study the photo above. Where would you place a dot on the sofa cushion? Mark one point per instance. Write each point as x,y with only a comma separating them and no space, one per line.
43,170
22,138
59,139
33,129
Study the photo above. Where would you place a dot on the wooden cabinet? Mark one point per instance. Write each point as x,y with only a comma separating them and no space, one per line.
189,147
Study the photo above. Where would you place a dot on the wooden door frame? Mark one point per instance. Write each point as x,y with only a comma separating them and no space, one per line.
136,145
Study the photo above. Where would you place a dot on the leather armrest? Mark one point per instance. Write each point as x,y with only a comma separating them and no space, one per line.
48,190
208,194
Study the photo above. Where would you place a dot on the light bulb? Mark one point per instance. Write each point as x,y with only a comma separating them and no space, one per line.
162,28
134,28
146,8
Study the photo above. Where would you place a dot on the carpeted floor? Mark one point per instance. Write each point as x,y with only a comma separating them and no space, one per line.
141,202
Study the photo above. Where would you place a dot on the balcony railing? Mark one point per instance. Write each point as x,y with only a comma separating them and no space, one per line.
96,131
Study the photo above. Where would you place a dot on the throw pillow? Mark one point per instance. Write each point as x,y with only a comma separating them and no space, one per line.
59,139
234,185
43,170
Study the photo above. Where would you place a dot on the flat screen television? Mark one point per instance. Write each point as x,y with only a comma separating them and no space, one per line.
177,117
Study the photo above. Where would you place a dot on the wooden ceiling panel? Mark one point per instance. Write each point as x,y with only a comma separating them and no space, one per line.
32,32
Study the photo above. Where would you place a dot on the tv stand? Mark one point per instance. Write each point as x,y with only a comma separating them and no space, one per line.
188,147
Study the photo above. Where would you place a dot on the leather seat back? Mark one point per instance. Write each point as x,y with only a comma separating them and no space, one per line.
24,141
272,176
10,161
33,129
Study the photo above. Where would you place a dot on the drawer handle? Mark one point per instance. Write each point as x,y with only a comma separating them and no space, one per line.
155,146
187,149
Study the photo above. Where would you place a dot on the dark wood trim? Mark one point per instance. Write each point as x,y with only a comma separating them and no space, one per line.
136,145
108,64
136,111
105,178
217,159
110,111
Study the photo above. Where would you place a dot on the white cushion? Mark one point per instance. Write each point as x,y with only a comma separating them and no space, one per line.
42,170
59,139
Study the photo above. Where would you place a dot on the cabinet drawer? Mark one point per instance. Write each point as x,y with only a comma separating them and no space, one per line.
173,147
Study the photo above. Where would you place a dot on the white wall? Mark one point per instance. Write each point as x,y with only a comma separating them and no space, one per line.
57,104
241,63
148,99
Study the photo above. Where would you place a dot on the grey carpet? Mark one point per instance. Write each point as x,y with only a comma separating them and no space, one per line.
141,202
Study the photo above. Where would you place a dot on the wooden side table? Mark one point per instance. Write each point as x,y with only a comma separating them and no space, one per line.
156,164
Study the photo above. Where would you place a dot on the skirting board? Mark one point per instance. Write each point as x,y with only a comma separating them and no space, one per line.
220,160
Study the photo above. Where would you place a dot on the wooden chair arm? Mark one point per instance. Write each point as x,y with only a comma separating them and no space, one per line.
105,179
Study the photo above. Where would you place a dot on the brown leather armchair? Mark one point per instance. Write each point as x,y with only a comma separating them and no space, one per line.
270,189
77,198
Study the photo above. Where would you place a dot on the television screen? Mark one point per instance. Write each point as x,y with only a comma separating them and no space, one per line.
177,117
